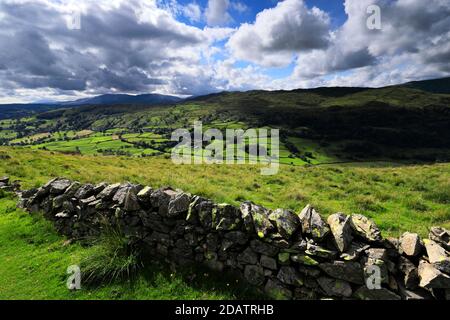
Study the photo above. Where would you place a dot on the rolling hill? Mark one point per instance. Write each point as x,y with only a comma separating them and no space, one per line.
317,125
8,111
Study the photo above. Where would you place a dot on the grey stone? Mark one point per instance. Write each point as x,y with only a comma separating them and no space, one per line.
160,199
365,293
121,194
355,251
441,236
298,247
40,194
26,194
237,237
153,221
131,202
309,271
126,197
343,270
431,277
377,254
254,275
226,217
87,201
4,180
277,291
365,228
268,262
145,194
85,191
438,256
248,256
72,189
417,294
212,241
62,215
313,224
290,276
317,251
335,287
341,230
108,192
179,204
246,215
304,293
410,244
58,201
285,221
161,238
205,210
99,187
215,265
410,273
60,185
263,248
260,218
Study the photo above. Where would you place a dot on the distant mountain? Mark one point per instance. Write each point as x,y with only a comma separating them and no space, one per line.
149,99
256,98
18,110
22,110
435,85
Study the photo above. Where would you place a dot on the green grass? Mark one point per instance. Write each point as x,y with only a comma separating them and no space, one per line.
113,257
398,198
34,260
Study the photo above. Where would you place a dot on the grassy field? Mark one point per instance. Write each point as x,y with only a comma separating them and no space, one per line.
34,260
398,198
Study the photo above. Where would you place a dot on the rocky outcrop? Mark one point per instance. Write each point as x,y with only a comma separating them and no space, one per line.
286,255
8,186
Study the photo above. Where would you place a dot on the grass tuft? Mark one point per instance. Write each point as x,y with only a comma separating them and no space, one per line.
112,257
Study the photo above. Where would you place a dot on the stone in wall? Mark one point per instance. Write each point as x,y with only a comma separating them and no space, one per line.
285,254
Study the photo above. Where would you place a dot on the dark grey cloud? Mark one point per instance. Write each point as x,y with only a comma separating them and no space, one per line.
116,49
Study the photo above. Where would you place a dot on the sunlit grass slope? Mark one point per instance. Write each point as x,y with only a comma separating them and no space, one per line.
398,198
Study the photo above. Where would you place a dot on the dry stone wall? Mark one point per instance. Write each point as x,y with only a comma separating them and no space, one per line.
288,255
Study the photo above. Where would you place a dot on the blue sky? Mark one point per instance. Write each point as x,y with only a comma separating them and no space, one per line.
334,7
194,47
250,8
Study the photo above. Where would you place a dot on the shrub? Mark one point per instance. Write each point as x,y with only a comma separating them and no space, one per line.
112,257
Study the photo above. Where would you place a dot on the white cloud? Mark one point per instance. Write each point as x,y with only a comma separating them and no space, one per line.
279,33
139,46
412,44
193,12
239,6
217,14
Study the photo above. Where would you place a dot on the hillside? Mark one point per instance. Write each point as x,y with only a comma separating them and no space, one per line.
15,111
319,125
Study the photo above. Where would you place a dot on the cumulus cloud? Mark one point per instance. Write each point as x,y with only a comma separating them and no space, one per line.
413,43
139,46
217,14
193,12
123,46
279,33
